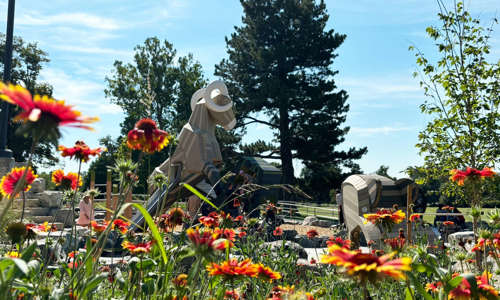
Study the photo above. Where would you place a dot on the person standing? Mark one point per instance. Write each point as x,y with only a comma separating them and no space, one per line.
86,212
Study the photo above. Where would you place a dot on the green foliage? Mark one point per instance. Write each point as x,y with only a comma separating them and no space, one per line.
27,62
462,89
280,75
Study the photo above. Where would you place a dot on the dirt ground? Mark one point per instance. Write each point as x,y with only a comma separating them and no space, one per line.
302,229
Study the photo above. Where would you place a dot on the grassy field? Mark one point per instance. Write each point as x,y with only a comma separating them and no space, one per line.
304,211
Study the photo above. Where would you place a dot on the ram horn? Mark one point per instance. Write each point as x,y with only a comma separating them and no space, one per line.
212,95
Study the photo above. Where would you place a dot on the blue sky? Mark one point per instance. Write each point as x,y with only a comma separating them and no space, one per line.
84,38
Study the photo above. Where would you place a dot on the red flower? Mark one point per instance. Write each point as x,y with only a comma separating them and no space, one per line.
174,217
367,266
137,248
448,223
208,239
66,181
470,173
232,295
385,216
312,233
462,291
80,151
42,110
396,243
10,180
147,137
278,231
236,203
433,287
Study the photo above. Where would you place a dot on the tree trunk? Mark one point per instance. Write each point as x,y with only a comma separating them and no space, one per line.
285,149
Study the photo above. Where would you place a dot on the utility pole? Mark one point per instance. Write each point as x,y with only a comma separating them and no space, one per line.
7,63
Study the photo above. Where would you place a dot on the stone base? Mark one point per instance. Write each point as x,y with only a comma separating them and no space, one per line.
6,164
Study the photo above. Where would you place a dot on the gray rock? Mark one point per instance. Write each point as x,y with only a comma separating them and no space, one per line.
50,198
324,223
38,185
310,221
290,246
306,242
65,216
454,238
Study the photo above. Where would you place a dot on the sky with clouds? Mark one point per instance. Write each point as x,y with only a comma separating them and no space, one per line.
84,38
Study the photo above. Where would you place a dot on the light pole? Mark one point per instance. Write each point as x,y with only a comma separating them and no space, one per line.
7,63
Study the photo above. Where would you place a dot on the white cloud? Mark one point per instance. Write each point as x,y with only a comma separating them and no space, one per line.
373,131
94,50
366,89
75,19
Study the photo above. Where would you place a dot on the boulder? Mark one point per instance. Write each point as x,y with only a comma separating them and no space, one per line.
50,198
290,246
465,236
306,242
310,221
38,185
324,223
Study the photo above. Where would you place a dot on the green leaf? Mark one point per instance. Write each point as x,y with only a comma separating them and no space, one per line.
419,287
21,265
154,230
92,284
194,191
455,281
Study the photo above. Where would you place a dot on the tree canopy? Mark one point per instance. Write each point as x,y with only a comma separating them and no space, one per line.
280,75
462,88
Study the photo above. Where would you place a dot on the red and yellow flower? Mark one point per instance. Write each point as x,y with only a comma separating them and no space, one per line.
174,217
147,137
385,215
266,273
12,254
67,181
233,268
120,225
396,243
137,248
11,179
99,227
42,111
339,241
415,217
180,280
367,266
470,173
80,151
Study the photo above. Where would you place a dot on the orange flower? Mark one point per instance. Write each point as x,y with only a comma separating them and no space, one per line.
43,112
278,231
66,181
227,233
486,290
415,217
137,248
266,273
236,202
147,137
80,151
448,223
232,268
339,241
367,266
73,265
312,233
461,292
207,239
12,254
180,280
222,244
99,227
10,180
121,225
73,254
